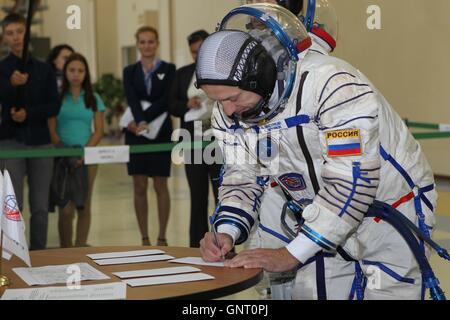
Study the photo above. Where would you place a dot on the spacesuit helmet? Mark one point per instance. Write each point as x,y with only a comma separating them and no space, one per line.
257,48
319,18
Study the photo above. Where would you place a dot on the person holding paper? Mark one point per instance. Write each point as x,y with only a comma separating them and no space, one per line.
186,97
147,87
81,107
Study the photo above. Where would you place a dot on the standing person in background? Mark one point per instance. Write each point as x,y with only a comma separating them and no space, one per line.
73,127
24,124
148,83
185,96
57,59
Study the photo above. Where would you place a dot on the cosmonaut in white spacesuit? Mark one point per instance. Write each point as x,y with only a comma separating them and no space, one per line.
318,128
320,19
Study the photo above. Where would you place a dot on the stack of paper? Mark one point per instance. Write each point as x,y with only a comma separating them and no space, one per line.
108,291
198,262
150,277
155,272
162,276
59,274
129,257
155,281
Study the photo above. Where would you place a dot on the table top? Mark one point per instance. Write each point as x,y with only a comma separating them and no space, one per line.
227,281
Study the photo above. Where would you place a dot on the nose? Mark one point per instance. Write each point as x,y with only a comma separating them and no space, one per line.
229,108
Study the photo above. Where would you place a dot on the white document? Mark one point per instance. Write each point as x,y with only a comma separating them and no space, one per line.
103,155
155,272
154,281
109,291
203,113
58,274
444,127
109,262
198,261
126,254
154,126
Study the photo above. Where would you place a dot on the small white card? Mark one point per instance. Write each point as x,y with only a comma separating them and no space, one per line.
154,281
125,254
105,155
109,291
202,113
60,274
198,261
109,262
155,272
444,127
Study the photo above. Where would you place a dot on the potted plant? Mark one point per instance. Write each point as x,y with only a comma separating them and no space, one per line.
111,91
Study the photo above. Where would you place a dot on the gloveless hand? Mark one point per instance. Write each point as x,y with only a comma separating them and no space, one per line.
19,115
271,260
212,251
18,79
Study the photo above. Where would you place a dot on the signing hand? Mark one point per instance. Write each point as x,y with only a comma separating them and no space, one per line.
194,103
18,79
19,115
211,252
271,260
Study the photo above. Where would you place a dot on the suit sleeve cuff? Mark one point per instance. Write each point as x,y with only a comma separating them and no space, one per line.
302,248
231,230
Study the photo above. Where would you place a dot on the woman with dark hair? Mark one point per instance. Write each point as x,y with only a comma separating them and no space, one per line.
185,97
81,107
147,83
57,59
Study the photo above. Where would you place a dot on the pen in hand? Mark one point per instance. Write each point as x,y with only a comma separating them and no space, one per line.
216,240
218,244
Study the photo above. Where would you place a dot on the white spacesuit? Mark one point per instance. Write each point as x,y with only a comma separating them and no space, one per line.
269,231
333,142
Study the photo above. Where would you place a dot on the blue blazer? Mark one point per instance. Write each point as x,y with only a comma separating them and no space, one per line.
136,91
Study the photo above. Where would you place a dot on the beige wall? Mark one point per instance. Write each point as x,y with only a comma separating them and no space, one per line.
107,54
84,40
130,16
192,15
408,60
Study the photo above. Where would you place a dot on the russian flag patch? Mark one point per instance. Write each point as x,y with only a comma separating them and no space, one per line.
344,143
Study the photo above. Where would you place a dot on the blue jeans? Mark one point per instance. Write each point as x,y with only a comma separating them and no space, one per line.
39,172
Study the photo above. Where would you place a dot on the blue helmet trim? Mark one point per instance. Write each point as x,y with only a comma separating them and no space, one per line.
310,14
269,22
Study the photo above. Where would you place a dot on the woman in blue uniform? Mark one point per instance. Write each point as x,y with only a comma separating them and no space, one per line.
147,86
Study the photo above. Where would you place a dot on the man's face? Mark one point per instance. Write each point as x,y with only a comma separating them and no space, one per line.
234,100
13,37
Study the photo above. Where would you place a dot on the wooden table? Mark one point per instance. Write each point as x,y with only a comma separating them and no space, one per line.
227,281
